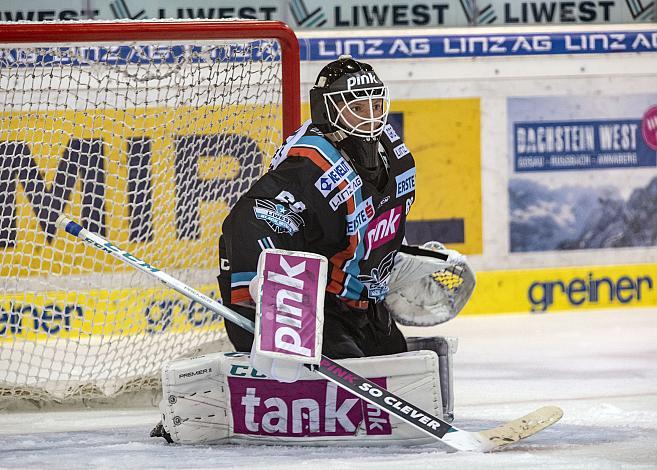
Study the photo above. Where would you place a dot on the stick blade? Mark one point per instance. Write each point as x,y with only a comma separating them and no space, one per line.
521,428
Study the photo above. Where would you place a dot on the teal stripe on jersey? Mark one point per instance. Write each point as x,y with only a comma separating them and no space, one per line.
241,279
352,285
330,153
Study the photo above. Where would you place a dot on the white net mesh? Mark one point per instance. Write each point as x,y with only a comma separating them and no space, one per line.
148,145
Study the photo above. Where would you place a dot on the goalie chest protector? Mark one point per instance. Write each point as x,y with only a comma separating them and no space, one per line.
382,235
312,199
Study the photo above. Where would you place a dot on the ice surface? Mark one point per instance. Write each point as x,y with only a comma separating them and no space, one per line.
599,366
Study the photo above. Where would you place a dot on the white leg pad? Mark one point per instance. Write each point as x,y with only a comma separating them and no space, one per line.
445,347
220,398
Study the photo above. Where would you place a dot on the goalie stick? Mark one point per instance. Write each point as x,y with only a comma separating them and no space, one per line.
477,441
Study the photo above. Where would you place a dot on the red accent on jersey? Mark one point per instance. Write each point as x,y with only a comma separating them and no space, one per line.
241,296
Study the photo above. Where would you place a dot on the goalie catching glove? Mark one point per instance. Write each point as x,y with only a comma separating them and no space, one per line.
289,296
428,285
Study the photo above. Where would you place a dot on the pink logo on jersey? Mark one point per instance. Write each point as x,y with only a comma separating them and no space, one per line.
382,229
649,127
301,409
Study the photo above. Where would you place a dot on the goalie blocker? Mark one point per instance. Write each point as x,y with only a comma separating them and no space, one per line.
289,297
221,398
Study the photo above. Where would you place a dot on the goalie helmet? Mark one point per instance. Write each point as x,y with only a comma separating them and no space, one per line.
348,96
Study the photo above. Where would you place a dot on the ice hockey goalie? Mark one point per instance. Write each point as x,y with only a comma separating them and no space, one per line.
270,396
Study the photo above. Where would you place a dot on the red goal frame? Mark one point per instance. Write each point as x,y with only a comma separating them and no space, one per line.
72,32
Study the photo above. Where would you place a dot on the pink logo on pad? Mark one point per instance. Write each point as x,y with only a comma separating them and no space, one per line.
304,408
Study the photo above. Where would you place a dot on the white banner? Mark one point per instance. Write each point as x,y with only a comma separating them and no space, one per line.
323,14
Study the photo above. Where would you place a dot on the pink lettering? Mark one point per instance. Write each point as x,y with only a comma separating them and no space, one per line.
382,229
287,318
304,408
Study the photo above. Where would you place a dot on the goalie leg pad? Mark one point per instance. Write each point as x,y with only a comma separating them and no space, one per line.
445,347
220,398
194,401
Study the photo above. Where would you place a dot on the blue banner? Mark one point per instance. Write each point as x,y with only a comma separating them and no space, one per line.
579,145
330,48
478,45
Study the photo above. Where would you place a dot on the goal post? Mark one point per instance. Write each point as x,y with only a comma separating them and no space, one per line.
147,132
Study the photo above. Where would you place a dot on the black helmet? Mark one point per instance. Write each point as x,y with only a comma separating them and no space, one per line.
349,97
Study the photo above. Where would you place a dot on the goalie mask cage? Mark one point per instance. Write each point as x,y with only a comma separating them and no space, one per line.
147,132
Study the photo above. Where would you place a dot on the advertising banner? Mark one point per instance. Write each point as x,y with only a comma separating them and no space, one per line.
299,14
503,44
550,290
511,12
40,147
99,312
444,136
330,14
584,172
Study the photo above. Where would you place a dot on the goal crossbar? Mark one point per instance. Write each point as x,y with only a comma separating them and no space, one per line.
80,32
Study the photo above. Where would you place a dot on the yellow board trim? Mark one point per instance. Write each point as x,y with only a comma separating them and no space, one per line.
123,312
102,312
566,288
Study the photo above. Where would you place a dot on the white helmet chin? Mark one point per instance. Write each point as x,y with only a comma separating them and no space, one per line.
362,113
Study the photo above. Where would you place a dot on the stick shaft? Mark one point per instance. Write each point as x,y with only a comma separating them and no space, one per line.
99,242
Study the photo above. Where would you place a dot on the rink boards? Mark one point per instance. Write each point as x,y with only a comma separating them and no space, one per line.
125,311
79,314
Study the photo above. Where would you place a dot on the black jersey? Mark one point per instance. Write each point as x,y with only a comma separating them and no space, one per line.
312,199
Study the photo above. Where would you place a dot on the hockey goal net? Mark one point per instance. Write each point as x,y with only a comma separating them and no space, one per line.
146,133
